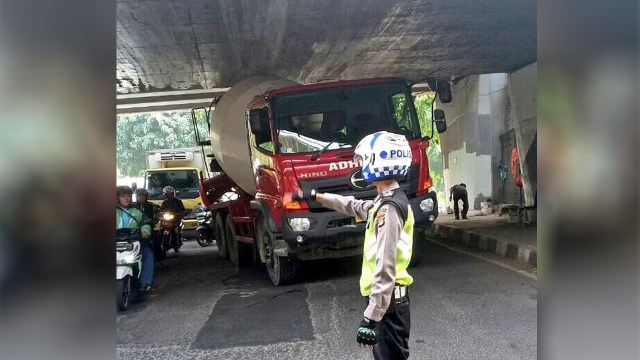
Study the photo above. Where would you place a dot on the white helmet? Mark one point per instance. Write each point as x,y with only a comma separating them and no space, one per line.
383,155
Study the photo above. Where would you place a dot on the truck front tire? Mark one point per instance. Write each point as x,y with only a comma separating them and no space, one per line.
282,270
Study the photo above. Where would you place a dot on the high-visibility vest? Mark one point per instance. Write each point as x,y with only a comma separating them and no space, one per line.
404,247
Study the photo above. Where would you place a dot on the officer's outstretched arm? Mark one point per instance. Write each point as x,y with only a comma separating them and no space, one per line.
347,205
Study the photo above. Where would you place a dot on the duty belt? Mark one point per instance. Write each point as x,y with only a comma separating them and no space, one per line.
399,291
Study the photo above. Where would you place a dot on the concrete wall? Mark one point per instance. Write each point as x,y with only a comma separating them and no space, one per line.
522,92
486,110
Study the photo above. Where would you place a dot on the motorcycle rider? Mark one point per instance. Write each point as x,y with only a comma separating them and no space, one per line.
385,159
132,217
173,204
151,211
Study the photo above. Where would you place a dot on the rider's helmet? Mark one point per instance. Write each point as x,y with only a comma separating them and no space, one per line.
168,190
123,190
384,155
142,191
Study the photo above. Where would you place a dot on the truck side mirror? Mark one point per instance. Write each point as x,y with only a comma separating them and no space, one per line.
444,91
440,120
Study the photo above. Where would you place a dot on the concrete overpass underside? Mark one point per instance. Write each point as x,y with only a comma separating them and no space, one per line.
168,45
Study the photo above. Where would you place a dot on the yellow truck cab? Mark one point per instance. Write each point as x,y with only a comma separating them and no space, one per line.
180,168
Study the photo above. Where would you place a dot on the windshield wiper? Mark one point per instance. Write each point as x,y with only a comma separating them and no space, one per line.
315,156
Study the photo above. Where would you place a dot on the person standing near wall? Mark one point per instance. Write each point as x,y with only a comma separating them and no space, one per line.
457,193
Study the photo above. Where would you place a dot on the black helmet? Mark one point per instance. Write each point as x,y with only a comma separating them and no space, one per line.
123,189
142,191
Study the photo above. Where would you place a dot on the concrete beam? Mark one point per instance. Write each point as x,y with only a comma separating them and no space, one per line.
184,99
166,100
164,44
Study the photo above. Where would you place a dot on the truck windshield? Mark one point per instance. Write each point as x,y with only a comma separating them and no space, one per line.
308,121
184,181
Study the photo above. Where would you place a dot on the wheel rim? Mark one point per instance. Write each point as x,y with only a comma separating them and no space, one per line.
269,256
262,237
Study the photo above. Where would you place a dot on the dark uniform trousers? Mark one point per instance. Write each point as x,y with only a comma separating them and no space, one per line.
393,331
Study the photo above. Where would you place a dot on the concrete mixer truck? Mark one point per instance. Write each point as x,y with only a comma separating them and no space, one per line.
271,137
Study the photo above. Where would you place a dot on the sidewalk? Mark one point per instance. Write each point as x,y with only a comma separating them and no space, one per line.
490,233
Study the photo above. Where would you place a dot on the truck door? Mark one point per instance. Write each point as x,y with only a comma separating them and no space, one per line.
261,148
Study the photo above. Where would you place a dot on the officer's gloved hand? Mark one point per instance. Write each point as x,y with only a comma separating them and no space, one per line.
304,195
367,332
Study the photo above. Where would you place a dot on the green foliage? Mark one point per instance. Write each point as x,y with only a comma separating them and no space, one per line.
423,108
138,133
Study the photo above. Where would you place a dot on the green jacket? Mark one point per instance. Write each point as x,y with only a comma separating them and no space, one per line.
135,221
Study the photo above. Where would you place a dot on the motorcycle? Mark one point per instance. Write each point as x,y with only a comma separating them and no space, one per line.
204,232
128,266
171,227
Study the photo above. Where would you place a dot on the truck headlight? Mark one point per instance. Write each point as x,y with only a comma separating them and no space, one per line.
426,205
300,224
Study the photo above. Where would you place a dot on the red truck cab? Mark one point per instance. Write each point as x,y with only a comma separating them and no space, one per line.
303,137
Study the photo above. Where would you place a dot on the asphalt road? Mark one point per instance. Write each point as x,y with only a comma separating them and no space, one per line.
204,308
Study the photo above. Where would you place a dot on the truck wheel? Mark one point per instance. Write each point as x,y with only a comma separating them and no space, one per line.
419,242
232,243
282,270
221,239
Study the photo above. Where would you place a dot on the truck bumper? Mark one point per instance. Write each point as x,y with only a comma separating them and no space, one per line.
332,234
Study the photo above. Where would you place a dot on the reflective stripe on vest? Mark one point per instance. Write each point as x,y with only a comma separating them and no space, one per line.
403,253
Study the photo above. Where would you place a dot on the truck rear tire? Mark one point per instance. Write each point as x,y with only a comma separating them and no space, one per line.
282,270
419,243
232,243
221,238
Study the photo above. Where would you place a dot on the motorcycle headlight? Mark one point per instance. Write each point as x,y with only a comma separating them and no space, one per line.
426,205
168,216
300,224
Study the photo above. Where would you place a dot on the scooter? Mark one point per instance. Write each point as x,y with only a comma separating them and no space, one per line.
128,265
171,228
204,232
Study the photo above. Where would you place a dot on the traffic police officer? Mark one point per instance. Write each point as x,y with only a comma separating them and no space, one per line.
385,159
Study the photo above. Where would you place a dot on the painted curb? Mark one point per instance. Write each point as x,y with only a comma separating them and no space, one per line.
474,240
